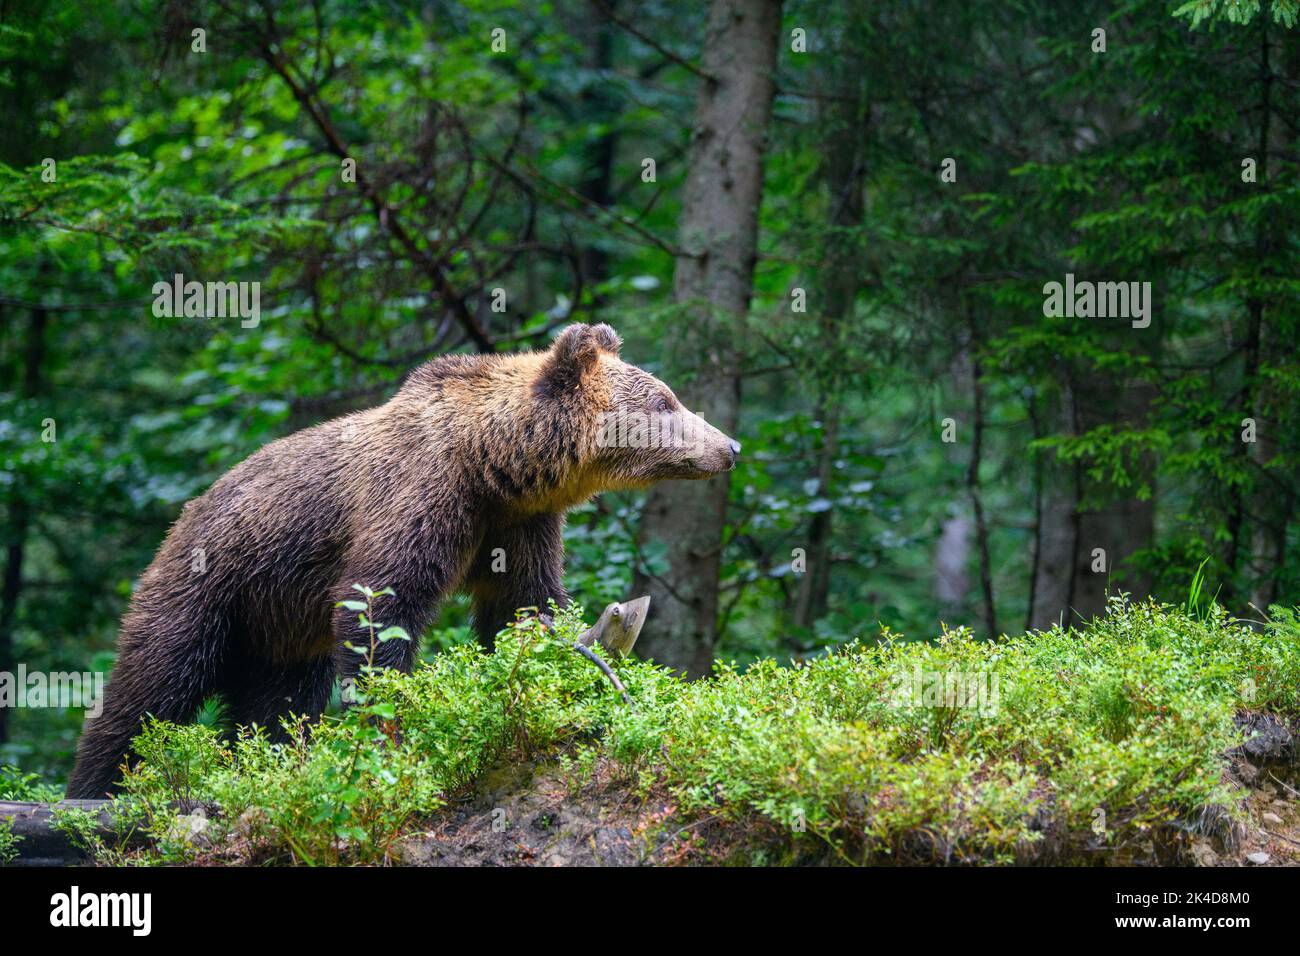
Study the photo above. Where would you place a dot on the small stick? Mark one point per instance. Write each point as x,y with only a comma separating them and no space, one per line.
595,658
1280,837
1287,785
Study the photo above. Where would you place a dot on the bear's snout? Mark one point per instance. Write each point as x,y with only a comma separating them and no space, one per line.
715,453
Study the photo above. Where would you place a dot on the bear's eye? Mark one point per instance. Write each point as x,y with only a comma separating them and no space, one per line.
662,404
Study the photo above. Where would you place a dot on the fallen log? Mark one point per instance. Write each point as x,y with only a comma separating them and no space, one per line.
41,844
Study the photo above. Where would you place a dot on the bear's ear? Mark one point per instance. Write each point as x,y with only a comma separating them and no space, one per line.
576,352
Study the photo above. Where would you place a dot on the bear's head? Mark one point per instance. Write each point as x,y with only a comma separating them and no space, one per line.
637,432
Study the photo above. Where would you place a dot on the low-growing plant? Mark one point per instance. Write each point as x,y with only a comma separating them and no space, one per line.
1098,740
17,785
8,842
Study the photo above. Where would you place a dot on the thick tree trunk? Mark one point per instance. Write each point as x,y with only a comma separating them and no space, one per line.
951,557
1071,579
712,284
1247,399
1120,527
1119,524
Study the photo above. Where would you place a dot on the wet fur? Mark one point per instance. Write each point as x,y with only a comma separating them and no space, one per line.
472,454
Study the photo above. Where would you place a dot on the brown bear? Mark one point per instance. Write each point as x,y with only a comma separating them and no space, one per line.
473,454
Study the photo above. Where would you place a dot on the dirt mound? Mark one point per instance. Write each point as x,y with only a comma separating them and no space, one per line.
530,816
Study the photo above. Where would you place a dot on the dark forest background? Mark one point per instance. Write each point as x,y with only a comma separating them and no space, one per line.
838,254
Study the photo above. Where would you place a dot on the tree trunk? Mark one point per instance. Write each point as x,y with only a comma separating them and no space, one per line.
951,556
1119,523
1071,579
815,583
843,171
1055,525
599,104
1272,491
1273,510
712,284
973,475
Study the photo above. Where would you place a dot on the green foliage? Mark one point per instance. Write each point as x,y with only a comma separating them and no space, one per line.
1199,604
1130,716
20,786
8,843
17,785
1127,721
345,789
1238,12
521,171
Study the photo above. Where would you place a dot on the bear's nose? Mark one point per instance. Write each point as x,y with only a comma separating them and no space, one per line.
735,448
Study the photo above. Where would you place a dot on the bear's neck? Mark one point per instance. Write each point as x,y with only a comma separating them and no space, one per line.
526,450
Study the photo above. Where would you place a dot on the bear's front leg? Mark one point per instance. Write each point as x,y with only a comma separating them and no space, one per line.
420,573
520,564
388,611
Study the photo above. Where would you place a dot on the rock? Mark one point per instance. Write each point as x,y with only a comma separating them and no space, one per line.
1272,818
1267,737
1204,854
190,829
1247,773
1259,859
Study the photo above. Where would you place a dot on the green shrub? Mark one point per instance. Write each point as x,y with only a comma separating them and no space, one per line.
16,785
8,842
1095,739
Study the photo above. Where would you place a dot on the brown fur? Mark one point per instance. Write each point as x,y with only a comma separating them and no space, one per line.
472,454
